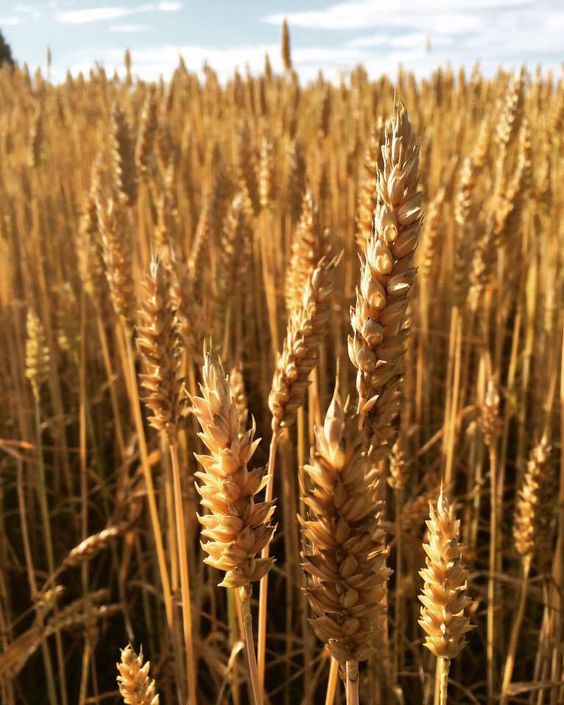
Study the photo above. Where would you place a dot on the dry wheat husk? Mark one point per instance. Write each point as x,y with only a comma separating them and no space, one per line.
37,359
135,685
307,249
444,595
299,354
376,347
532,514
117,258
158,341
123,157
344,554
237,526
239,395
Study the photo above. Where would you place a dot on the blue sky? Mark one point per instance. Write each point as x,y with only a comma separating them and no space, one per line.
333,36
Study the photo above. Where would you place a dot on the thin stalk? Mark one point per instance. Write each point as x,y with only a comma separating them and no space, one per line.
441,681
245,601
184,575
233,622
450,367
351,683
126,352
332,682
515,631
491,621
398,631
453,407
111,384
51,692
83,441
86,656
304,604
263,595
44,509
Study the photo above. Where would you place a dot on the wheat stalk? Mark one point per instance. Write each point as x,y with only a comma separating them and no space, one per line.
532,516
158,341
237,528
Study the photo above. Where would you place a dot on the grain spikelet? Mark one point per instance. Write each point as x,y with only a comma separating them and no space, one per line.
117,259
444,598
344,555
123,157
299,354
135,685
144,149
246,165
532,516
237,527
37,360
266,185
376,347
91,546
490,421
367,191
431,230
159,345
68,322
295,179
398,467
286,49
239,395
307,249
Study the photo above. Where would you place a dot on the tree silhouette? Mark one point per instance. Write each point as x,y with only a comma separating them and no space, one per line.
5,52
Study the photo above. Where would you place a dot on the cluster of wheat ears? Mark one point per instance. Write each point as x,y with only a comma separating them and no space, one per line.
261,344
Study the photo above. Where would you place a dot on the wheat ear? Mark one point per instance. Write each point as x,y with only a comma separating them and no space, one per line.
376,347
529,535
123,157
344,554
307,249
237,527
306,331
117,259
135,685
444,597
158,341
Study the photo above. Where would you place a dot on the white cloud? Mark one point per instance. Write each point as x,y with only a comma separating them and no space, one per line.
508,32
169,6
25,9
418,34
128,28
9,21
91,14
98,14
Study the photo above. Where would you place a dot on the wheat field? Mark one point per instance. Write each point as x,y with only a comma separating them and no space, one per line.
282,389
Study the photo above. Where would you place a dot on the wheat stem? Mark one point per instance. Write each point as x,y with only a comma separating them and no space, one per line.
263,594
191,671
126,351
245,599
351,682
332,681
515,631
441,680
